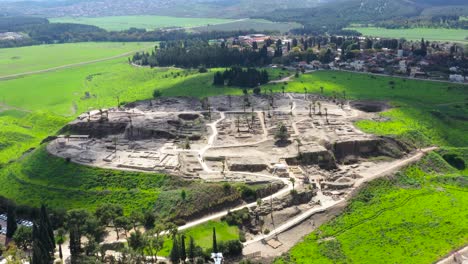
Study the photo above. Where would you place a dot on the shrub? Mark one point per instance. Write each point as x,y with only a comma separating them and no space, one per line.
455,161
230,248
157,93
247,193
180,222
238,218
242,236
257,91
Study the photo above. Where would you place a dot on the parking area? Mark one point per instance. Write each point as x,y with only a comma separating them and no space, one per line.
3,224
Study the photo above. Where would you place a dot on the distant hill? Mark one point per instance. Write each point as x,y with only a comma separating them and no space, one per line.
183,8
339,13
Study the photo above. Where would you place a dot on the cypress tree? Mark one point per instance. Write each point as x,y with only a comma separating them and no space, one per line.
191,251
41,253
183,253
215,244
11,221
47,233
175,255
75,245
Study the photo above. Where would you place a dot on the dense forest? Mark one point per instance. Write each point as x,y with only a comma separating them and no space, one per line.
195,53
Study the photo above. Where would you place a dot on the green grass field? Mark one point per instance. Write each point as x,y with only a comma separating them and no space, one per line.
254,24
26,59
414,217
203,235
117,23
431,34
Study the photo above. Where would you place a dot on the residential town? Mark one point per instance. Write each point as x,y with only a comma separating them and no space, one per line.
444,61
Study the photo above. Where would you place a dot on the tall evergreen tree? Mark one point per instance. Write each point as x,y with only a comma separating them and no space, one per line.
74,243
294,42
183,253
175,254
45,222
41,253
215,243
11,221
191,250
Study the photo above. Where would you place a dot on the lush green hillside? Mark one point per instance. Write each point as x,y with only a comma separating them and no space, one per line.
333,15
23,130
414,217
26,59
177,8
147,22
431,34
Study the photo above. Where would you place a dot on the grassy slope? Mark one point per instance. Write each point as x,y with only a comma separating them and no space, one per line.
415,217
40,177
146,22
22,130
431,34
432,110
25,59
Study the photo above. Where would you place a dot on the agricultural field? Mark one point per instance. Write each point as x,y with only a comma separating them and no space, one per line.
413,217
431,34
423,111
117,23
33,58
254,24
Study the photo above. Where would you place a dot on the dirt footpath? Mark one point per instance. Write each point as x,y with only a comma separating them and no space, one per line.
291,237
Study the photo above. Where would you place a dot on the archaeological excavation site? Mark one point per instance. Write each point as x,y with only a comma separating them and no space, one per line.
305,142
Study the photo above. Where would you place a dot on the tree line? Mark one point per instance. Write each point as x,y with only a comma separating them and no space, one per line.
192,54
236,76
51,229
